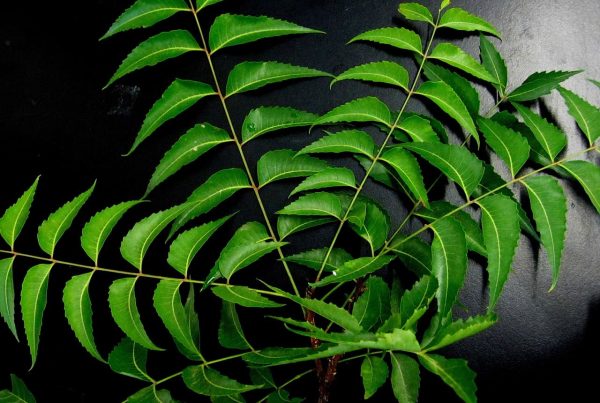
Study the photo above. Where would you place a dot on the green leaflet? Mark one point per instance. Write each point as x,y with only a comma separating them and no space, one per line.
327,178
177,98
370,222
549,208
168,306
267,119
373,306
379,173
219,187
249,76
539,84
454,372
461,86
158,48
7,294
457,163
507,143
472,230
123,308
384,72
407,167
272,356
201,4
231,334
139,238
129,359
187,149
416,12
78,311
449,262
414,302
418,128
588,176
456,57
98,228
414,254
262,376
500,222
34,292
405,378
400,38
54,227
144,14
244,296
283,396
367,109
209,382
461,329
374,372
313,259
150,394
20,391
320,204
14,217
346,141
447,100
461,20
233,30
185,247
288,225
354,269
586,115
286,164
191,316
549,136
249,243
493,63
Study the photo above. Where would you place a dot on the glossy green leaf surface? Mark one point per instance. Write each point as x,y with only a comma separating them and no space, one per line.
129,359
415,302
320,204
461,86
456,57
327,178
231,334
384,72
585,114
461,20
454,372
405,378
539,84
7,295
588,176
399,38
268,119
551,138
373,306
209,382
415,12
278,165
407,167
15,216
493,62
374,373
510,146
345,141
244,296
354,269
288,225
361,110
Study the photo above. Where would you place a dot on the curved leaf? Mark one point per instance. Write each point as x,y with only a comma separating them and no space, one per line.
379,172
158,48
99,227
7,294
368,109
461,329
249,76
461,20
374,373
328,178
201,4
231,334
123,308
78,311
233,30
456,57
354,269
218,187
244,296
552,140
493,63
54,227
151,394
418,128
414,254
370,222
129,359
457,163
315,204
507,143
500,222
405,378
14,217
286,164
185,247
373,306
454,372
313,259
414,302
288,225
549,208
588,176
168,306
446,99
407,167
139,238
267,119
461,86
416,12
144,14
449,262
209,382
377,72
539,84
34,292
586,115
20,392
346,141
187,149
400,38
177,98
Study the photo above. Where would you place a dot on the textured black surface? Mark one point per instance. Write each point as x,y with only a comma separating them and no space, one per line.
55,120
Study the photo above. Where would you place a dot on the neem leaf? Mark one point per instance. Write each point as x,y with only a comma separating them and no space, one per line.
14,217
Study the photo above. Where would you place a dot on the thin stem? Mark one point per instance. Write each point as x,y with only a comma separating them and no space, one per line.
288,382
238,145
378,155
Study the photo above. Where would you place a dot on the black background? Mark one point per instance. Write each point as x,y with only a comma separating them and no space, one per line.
56,121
